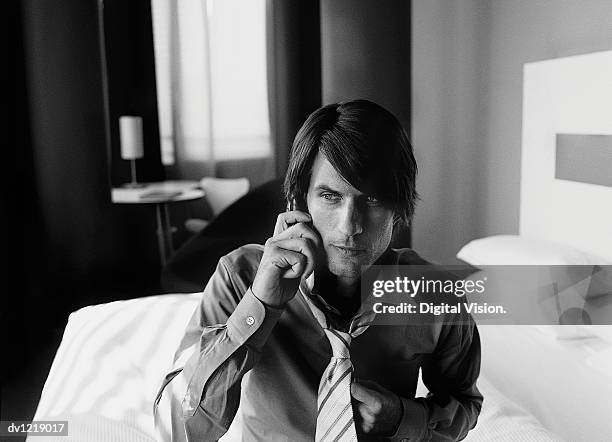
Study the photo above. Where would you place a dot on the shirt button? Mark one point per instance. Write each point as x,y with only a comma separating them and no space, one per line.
250,320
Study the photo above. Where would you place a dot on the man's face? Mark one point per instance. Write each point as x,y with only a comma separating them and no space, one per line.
355,228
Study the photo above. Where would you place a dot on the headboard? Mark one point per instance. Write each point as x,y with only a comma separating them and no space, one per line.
566,174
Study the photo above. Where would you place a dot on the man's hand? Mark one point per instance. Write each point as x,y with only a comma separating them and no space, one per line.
288,256
378,411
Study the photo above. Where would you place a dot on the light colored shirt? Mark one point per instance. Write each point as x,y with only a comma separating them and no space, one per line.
278,356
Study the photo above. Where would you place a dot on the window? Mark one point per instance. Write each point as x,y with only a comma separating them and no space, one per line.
210,58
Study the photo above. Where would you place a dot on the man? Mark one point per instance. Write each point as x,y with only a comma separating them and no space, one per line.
286,323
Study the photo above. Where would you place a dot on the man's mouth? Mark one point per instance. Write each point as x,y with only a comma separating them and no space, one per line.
349,250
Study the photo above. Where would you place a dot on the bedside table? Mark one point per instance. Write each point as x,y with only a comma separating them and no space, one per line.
161,194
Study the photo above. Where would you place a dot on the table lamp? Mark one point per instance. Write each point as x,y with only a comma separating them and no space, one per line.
130,128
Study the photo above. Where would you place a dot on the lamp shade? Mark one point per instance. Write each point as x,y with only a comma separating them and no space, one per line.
130,128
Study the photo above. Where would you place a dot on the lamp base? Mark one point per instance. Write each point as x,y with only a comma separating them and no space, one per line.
134,185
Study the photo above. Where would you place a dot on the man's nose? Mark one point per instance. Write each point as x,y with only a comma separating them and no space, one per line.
350,222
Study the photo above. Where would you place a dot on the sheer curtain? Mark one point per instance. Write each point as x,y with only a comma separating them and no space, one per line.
210,58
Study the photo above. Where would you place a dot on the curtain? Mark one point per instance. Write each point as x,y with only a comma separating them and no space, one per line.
294,70
128,73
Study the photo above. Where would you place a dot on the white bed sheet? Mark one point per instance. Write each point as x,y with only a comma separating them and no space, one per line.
502,420
113,356
109,366
563,383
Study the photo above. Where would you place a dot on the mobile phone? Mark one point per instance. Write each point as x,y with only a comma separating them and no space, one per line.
293,205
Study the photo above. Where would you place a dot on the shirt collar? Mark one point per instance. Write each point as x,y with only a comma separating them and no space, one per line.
326,314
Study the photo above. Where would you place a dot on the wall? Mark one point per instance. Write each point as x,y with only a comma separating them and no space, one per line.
468,57
449,83
521,32
293,46
365,53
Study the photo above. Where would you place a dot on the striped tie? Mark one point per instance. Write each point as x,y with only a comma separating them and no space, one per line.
335,414
334,411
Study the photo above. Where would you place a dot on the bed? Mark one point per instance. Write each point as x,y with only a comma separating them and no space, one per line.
540,382
112,356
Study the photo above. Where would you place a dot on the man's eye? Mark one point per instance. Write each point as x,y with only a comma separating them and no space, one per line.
329,196
372,201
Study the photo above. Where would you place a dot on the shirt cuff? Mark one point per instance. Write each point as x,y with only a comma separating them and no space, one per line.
252,321
413,423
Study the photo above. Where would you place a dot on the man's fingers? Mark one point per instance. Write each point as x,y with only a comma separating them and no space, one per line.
364,394
287,219
364,419
379,409
363,413
291,262
371,398
301,245
300,230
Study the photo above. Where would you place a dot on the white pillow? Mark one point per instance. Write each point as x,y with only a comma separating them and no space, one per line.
518,250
